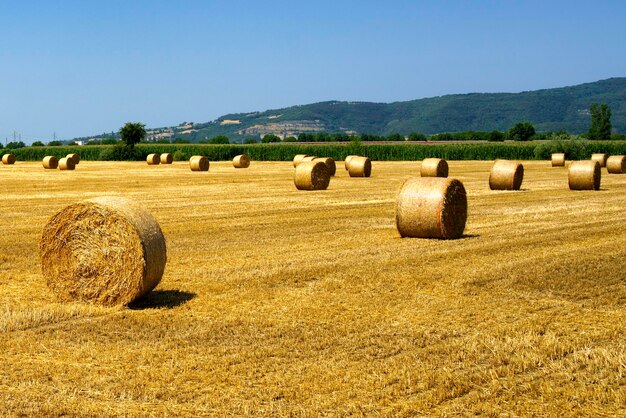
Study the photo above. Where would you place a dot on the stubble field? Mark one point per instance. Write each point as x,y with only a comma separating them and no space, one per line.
280,302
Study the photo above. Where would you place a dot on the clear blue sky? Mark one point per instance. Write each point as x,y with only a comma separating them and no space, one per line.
86,67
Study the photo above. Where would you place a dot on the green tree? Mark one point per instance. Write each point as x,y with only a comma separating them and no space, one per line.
495,136
55,143
180,141
414,136
220,139
38,144
14,145
270,138
522,131
250,140
600,127
395,137
109,141
132,133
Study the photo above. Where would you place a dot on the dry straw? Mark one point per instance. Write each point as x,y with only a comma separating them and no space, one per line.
434,167
308,159
584,175
167,158
153,159
241,161
298,159
8,159
347,160
431,207
106,251
616,164
67,164
360,167
199,163
506,175
50,162
601,158
74,157
558,160
312,175
330,163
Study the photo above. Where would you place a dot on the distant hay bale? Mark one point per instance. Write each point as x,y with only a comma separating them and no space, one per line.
434,167
8,159
558,160
616,164
167,158
241,161
67,164
50,162
74,157
199,163
347,160
106,251
506,175
153,159
600,158
308,159
312,175
360,167
431,207
298,159
330,163
584,175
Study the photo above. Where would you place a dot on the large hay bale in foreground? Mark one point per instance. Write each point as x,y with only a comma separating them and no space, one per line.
347,160
67,164
50,162
241,161
106,251
167,158
584,175
434,167
298,159
74,157
360,167
199,163
153,159
600,158
431,207
8,159
330,163
506,175
616,164
558,160
312,175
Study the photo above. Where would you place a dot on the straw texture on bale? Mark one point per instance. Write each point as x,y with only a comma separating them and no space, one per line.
434,167
312,175
601,158
241,161
347,160
308,159
558,160
298,159
506,175
8,159
584,175
106,251
50,162
360,167
431,207
330,163
199,163
616,164
74,157
67,164
167,158
153,159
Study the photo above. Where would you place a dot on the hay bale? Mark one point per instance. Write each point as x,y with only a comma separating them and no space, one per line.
616,164
584,175
308,159
67,164
558,160
431,207
8,159
106,251
50,162
360,167
347,160
241,161
506,175
298,159
600,158
199,163
434,167
167,158
330,163
153,159
312,175
74,157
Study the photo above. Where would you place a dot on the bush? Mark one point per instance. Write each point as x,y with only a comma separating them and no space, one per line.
109,141
162,141
290,139
522,131
38,144
495,136
220,139
414,136
179,155
270,138
573,149
55,143
250,141
15,145
121,153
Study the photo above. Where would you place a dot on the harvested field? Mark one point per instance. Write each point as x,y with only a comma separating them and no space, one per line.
319,307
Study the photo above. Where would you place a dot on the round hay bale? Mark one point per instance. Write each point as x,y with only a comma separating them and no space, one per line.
431,207
360,167
584,175
50,162
74,157
67,164
312,175
506,175
298,159
8,159
558,160
330,163
167,158
153,159
241,161
347,160
199,163
308,159
601,158
106,251
616,164
434,167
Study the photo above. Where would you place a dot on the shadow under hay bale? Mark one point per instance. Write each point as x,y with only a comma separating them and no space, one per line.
434,167
616,164
162,299
50,162
584,175
199,163
506,175
241,161
312,175
360,167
